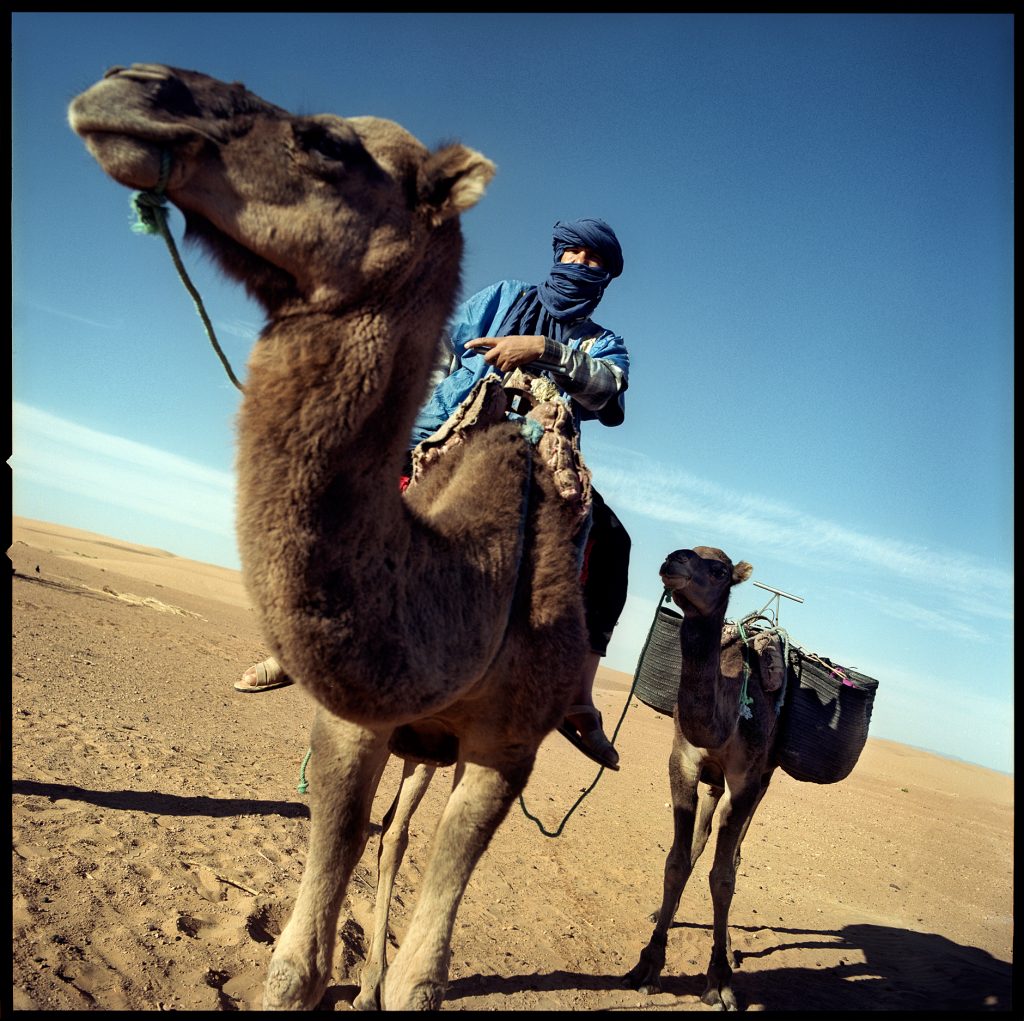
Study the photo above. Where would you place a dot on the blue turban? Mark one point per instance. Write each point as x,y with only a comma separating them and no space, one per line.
593,234
571,291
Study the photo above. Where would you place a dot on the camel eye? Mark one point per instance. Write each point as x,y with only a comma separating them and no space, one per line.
316,139
717,570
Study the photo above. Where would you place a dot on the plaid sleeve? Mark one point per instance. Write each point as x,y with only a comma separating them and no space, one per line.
591,382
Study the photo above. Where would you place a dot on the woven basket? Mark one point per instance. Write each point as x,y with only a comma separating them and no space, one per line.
824,720
657,673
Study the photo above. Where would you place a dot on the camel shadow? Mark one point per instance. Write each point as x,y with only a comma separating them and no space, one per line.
902,970
157,803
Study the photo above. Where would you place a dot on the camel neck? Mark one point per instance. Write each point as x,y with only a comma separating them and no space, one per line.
327,395
706,712
354,584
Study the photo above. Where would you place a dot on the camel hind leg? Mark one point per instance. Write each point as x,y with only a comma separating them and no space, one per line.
345,767
480,799
708,796
394,840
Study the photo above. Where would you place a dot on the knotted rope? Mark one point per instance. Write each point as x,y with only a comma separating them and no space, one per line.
772,628
151,212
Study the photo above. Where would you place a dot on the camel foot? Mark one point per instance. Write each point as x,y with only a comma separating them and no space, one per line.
370,981
723,1000
421,996
721,997
369,1000
287,988
645,976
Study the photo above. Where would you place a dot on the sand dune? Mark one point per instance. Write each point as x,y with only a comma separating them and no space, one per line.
158,836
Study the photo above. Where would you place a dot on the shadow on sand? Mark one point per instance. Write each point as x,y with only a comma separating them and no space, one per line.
902,970
161,804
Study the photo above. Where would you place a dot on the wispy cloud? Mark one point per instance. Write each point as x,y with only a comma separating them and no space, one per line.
62,314
238,328
52,451
951,626
656,491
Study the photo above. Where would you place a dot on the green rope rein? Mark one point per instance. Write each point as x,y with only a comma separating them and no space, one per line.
151,212
579,801
304,783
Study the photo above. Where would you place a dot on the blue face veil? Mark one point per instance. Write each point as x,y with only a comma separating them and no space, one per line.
571,292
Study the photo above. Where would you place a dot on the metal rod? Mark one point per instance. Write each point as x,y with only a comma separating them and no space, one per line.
778,592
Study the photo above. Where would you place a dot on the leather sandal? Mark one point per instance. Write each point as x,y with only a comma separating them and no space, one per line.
263,676
590,739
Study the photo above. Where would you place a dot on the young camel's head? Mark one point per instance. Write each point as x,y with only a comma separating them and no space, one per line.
701,579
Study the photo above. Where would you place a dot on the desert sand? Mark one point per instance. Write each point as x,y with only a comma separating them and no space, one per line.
159,837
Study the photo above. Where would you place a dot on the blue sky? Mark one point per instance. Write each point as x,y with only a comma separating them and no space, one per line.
816,214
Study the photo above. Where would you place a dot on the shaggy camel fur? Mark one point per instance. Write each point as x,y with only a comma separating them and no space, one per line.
451,616
715,749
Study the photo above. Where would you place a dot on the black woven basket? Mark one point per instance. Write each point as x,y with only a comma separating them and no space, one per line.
657,673
825,718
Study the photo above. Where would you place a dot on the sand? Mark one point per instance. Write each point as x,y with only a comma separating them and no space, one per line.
159,839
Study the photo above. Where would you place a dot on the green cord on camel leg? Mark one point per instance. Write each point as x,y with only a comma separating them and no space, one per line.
303,782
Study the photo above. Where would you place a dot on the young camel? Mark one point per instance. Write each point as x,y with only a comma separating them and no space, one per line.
448,620
715,749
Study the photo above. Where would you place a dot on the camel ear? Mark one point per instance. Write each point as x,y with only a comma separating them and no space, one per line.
452,180
741,572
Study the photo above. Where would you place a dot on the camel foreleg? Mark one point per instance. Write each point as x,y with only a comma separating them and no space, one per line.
646,973
480,799
345,767
394,840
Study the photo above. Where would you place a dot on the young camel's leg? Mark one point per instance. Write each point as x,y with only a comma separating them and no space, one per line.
737,812
345,766
394,840
708,797
707,802
683,772
480,799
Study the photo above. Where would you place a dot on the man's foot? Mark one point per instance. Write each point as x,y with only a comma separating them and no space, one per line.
582,726
264,676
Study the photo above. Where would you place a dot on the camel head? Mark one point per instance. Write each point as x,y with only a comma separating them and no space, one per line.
313,212
701,579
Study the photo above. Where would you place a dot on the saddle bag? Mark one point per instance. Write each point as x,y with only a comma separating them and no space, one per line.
657,673
825,718
825,709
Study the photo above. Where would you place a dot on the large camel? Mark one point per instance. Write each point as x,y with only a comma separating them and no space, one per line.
720,744
446,623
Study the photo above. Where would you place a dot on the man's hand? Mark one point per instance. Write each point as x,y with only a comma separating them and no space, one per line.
507,353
